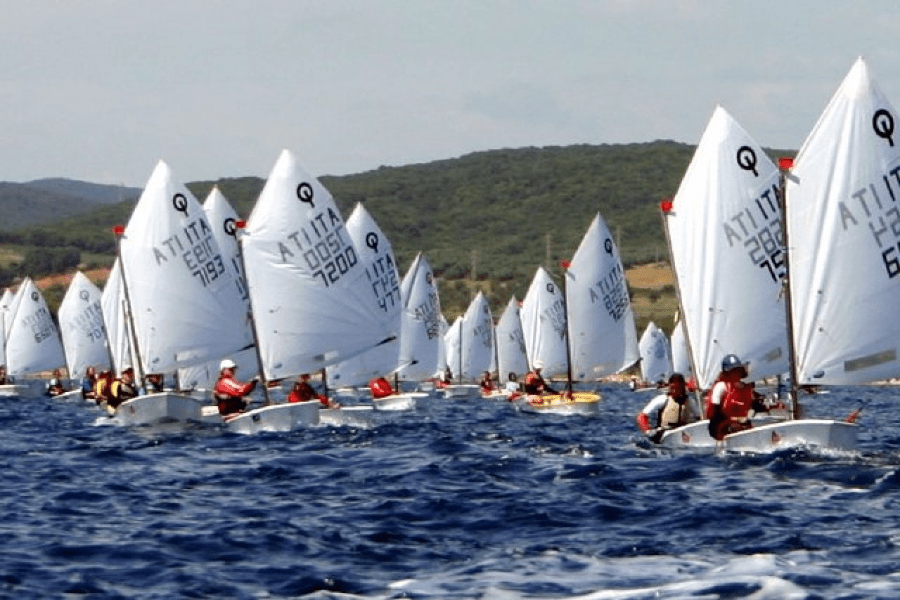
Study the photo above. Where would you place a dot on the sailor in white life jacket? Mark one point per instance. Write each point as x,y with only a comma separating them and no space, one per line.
670,410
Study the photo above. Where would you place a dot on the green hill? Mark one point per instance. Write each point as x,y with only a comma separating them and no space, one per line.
485,220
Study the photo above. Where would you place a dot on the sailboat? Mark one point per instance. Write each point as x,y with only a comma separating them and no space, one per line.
32,338
421,334
311,297
724,232
656,356
843,259
469,344
510,344
183,303
82,328
377,257
201,379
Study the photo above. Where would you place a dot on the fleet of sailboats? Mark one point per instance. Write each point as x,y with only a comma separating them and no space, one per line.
784,265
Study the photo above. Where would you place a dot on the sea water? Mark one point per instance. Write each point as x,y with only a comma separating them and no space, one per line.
455,499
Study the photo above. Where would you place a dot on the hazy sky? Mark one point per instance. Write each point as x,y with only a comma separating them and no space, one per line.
99,90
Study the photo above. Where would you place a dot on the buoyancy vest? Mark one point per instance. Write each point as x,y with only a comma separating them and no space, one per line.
674,414
738,400
380,388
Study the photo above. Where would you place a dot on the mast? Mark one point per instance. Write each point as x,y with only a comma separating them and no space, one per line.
119,231
665,208
565,266
259,362
784,165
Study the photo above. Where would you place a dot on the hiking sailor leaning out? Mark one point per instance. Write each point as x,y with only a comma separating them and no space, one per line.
670,410
122,389
731,401
230,393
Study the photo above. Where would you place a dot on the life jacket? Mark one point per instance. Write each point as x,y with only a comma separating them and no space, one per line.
534,383
380,388
674,414
101,388
736,401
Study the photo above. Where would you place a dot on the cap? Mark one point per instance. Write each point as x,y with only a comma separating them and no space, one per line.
731,361
538,364
226,364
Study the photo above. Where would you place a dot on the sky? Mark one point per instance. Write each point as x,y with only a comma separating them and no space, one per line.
100,90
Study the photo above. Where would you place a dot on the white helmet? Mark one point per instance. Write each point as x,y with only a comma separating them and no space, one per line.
226,364
538,364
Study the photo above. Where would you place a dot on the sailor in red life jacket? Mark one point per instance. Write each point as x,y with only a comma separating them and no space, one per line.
672,409
229,392
534,383
731,402
381,388
487,384
304,392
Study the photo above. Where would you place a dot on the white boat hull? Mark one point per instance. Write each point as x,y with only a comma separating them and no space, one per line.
819,433
69,395
579,403
696,435
277,417
161,407
398,401
9,390
461,391
354,416
693,435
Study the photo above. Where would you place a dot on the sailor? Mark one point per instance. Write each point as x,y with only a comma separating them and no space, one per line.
381,388
88,382
230,394
102,385
670,410
487,384
122,389
511,386
304,392
534,381
731,401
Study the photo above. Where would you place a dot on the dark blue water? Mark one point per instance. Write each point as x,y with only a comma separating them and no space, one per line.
457,499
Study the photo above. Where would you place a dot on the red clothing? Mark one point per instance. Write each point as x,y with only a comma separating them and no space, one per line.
229,393
380,388
303,392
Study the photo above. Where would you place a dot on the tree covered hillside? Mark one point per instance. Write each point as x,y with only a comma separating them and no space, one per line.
503,211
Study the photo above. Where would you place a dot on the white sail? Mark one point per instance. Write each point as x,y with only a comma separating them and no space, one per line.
511,356
477,339
453,347
311,297
543,317
724,227
33,343
421,339
602,336
656,359
443,328
223,219
185,300
82,328
115,319
843,229
5,320
681,360
377,256
11,303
